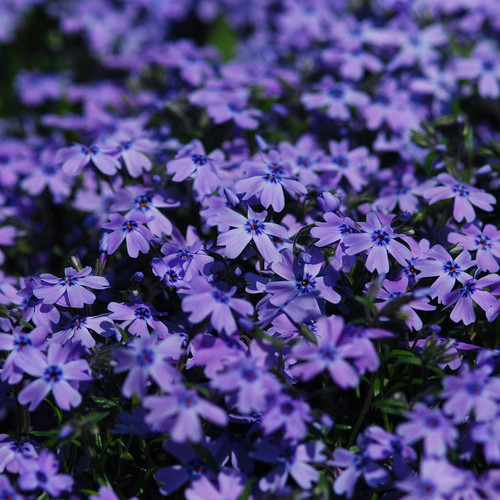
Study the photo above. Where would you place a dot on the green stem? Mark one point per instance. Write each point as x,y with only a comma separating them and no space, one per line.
364,411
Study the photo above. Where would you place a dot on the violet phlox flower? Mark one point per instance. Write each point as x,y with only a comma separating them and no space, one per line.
133,153
234,107
485,241
410,300
472,291
137,237
56,372
201,300
7,239
328,354
230,487
14,452
249,378
465,197
378,239
179,412
438,262
8,491
33,308
303,284
266,178
336,97
70,290
193,161
253,227
76,157
471,391
347,163
292,414
436,480
487,433
289,460
430,425
145,357
43,473
79,328
144,202
19,344
138,317
173,277
333,230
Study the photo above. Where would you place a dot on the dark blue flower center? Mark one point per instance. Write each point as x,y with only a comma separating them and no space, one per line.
341,160
272,178
187,400
68,280
468,289
346,229
451,268
328,353
199,160
355,331
336,92
21,342
142,202
49,170
384,100
129,225
392,295
483,242
171,276
221,297
380,238
306,284
304,161
195,468
249,375
474,388
78,323
461,190
52,374
426,488
142,313
287,456
185,254
90,150
41,477
432,422
125,145
254,227
145,357
488,65
286,408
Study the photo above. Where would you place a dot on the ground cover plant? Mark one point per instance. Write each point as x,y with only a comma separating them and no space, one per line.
249,250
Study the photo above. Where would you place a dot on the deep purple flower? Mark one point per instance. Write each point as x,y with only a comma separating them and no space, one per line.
56,373
42,473
138,318
266,179
472,291
71,290
378,238
78,330
179,413
136,236
7,491
231,486
251,228
201,300
471,391
430,425
76,157
465,197
144,357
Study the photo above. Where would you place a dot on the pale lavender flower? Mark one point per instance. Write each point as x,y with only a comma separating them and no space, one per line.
465,197
14,452
78,330
230,487
7,239
76,157
134,153
71,290
379,239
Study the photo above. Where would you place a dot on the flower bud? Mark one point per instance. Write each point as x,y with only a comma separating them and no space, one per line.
328,202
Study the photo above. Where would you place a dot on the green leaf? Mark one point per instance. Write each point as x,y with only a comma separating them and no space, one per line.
223,38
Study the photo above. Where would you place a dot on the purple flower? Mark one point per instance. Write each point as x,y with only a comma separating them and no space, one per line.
76,157
329,354
133,154
292,414
249,378
471,390
138,318
289,460
471,292
247,229
435,481
337,98
194,162
202,299
430,425
487,433
465,197
71,290
79,330
179,413
7,235
42,473
144,357
379,239
55,373
8,491
231,486
235,109
13,453
448,269
485,242
20,344
136,236
266,180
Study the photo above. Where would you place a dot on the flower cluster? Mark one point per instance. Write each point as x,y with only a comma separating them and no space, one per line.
250,249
